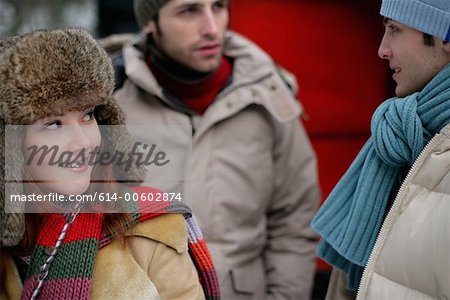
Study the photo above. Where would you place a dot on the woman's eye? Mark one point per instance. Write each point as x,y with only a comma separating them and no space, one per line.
53,125
89,116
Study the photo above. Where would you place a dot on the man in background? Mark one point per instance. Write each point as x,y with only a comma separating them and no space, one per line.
254,176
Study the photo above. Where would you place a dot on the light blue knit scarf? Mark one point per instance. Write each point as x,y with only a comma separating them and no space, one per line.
350,218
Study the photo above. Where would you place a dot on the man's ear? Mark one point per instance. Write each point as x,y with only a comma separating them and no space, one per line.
150,27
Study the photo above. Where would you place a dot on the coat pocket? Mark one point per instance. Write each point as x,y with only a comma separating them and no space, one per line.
249,279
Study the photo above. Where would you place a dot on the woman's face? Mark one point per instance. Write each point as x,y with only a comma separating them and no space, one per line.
58,150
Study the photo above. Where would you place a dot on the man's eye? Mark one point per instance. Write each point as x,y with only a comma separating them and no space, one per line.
392,28
220,4
188,10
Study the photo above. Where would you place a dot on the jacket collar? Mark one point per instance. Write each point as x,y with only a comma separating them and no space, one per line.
251,65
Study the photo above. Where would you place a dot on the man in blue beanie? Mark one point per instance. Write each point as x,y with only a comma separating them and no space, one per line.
385,227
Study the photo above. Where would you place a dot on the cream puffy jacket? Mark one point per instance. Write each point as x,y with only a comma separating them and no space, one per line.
254,178
411,258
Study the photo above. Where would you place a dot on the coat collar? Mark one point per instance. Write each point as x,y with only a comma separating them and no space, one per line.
253,70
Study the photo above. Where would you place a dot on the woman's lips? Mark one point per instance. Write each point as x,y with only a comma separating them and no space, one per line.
79,170
76,167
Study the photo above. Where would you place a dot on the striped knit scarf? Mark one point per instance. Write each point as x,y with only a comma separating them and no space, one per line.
351,217
71,271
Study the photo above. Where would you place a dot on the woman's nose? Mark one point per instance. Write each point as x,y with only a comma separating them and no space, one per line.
79,138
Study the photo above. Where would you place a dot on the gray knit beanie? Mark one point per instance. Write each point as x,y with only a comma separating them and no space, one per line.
428,16
146,10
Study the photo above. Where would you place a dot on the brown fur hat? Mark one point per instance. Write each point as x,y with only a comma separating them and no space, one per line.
47,73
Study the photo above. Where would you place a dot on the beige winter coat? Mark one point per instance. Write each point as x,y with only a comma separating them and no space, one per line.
254,175
411,258
151,262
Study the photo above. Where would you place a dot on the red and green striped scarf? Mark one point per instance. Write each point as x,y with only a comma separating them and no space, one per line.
71,271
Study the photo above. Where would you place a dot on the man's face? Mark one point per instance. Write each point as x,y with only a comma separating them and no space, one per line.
414,63
192,32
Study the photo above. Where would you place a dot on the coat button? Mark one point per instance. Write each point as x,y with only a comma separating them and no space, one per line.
273,88
229,105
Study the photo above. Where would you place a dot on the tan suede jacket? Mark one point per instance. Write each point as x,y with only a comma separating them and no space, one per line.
153,263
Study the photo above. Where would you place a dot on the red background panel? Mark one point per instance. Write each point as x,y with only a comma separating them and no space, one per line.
331,47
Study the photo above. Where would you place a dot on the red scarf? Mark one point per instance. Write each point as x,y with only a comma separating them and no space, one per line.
199,95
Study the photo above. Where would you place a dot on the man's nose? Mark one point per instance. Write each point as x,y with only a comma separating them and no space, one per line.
384,51
209,25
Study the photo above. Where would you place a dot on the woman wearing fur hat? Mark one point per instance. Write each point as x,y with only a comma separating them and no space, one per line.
61,82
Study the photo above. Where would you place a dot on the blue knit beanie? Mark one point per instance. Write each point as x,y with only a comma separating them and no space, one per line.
428,16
